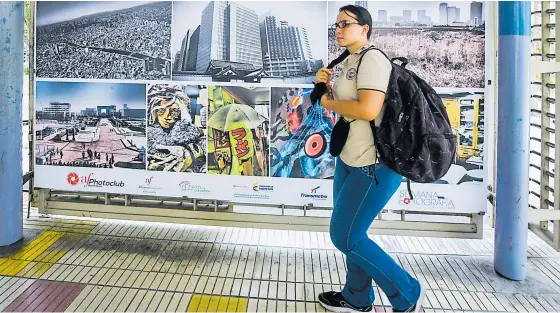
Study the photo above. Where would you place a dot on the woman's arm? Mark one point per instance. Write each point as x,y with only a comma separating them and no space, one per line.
372,80
366,108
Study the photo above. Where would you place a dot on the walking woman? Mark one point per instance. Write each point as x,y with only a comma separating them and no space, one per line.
362,185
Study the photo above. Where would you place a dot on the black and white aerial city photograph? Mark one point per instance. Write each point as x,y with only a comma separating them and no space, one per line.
104,39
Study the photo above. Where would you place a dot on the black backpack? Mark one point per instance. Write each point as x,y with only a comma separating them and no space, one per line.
415,137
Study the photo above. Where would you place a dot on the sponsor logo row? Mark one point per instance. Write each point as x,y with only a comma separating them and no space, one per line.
257,192
148,186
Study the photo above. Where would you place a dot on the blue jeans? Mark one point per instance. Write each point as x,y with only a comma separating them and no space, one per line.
357,202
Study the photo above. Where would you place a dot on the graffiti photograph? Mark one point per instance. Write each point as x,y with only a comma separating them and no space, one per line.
261,41
443,41
300,133
465,109
104,39
96,125
238,130
177,128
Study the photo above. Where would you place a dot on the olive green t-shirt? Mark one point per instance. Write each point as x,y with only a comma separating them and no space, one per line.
375,71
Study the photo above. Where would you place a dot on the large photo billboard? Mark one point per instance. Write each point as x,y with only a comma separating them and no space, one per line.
211,100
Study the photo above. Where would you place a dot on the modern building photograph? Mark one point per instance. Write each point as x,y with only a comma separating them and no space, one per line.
422,13
252,42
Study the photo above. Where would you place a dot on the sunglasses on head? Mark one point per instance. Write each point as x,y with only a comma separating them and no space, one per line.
343,24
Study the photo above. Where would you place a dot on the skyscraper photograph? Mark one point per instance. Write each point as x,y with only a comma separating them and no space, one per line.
248,41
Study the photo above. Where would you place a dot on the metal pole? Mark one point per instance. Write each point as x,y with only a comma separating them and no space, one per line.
514,51
11,87
31,95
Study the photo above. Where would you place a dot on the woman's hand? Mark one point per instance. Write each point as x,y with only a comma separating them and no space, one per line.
323,76
327,96
327,99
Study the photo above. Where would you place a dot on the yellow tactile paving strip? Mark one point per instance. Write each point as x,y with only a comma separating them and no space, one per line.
202,303
35,258
18,261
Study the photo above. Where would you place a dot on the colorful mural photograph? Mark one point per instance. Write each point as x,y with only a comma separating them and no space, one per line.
238,130
465,109
300,133
177,128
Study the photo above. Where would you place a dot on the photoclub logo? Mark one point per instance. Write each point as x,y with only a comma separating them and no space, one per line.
187,186
258,187
74,179
426,199
313,194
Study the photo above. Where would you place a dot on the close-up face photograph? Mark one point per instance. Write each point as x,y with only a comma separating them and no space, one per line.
167,111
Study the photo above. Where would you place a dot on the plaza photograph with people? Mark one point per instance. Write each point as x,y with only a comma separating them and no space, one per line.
98,125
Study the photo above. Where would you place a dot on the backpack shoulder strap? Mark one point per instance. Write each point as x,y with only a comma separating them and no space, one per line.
364,53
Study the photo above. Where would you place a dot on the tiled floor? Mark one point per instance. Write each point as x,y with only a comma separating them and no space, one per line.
73,265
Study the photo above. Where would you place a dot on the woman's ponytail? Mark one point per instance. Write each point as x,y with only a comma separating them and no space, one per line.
321,88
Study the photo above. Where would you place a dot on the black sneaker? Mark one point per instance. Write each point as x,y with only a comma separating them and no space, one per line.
418,305
334,302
